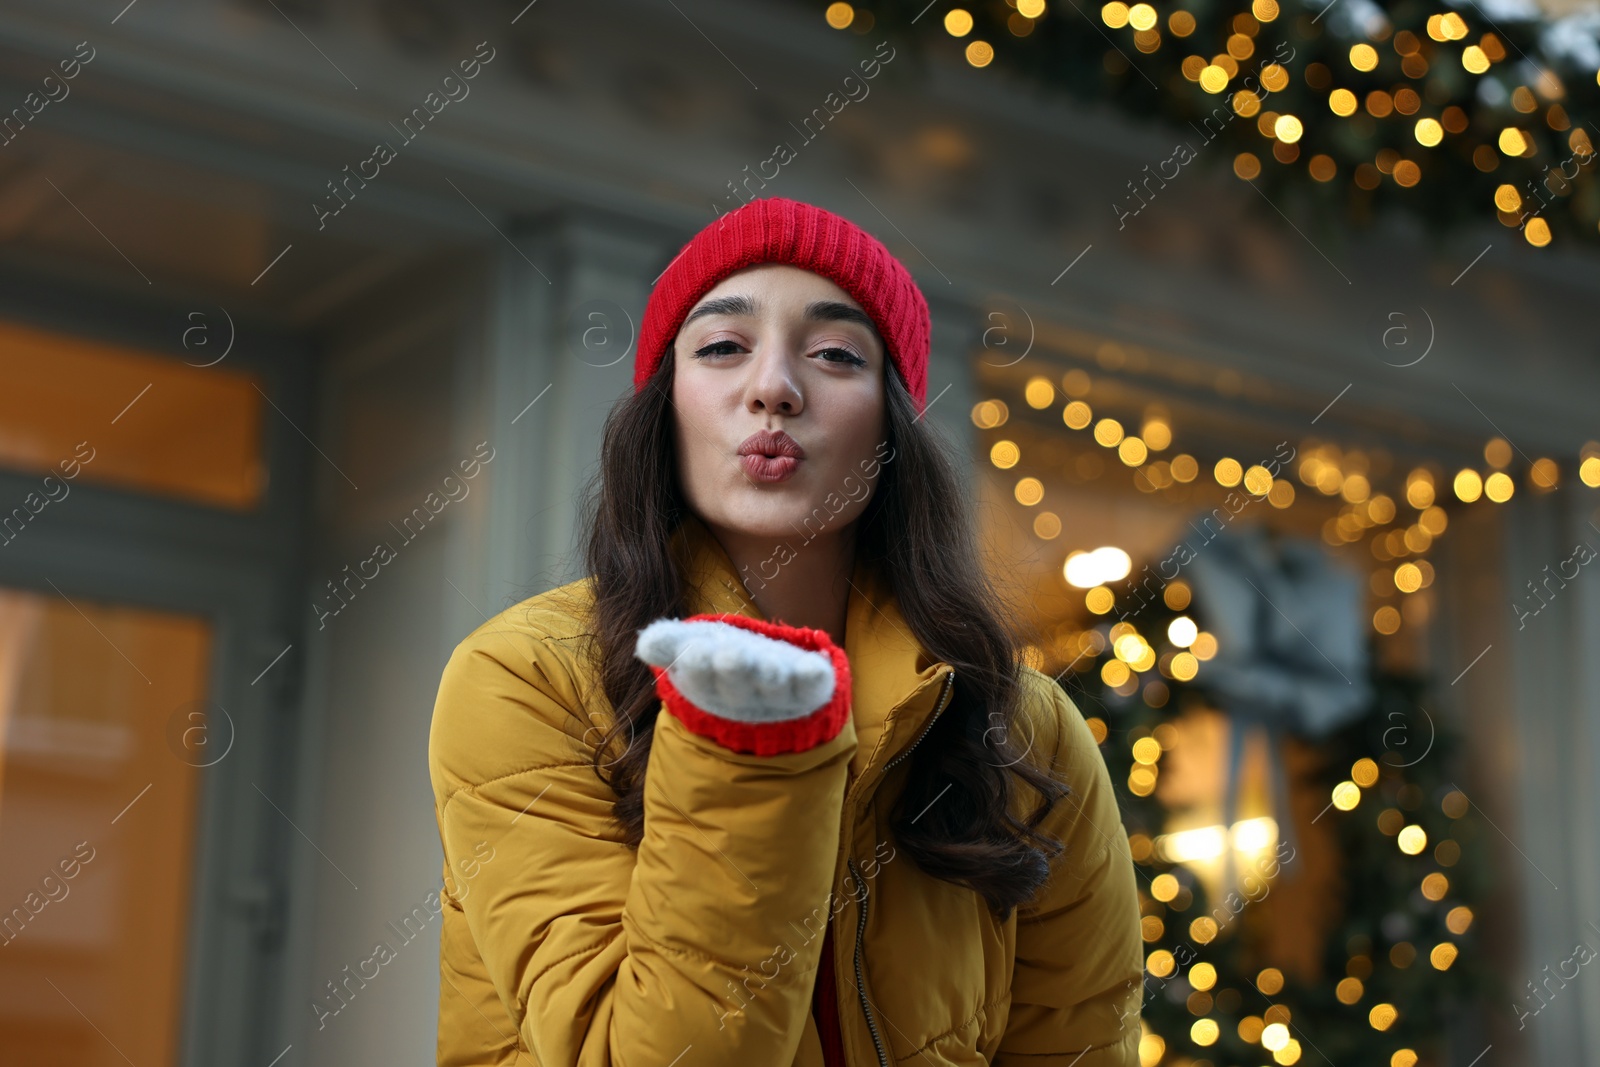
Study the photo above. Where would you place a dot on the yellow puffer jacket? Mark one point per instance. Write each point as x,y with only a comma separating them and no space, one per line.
562,947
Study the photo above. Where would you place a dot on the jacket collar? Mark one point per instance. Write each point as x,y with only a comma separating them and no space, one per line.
895,686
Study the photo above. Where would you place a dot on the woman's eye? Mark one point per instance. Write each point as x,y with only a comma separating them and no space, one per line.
717,348
842,355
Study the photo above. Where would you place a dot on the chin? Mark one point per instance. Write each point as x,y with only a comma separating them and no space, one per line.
770,513
787,512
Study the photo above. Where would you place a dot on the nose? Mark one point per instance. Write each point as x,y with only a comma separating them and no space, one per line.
772,387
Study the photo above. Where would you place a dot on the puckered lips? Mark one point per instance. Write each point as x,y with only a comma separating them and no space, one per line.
770,456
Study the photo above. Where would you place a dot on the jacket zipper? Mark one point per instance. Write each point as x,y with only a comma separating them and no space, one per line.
944,698
866,892
861,982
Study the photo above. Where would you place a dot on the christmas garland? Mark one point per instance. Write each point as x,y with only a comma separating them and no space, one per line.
1401,967
1451,114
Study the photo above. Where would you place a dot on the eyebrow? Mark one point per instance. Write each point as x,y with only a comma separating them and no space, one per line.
816,311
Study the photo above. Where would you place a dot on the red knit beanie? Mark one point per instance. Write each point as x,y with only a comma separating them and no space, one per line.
778,230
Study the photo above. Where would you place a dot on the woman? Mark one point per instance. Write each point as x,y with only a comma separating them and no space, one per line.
770,787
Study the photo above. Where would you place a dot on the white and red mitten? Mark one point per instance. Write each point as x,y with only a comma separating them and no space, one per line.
754,687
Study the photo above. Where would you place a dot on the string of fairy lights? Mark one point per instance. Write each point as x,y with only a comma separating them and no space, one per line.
1397,964
1446,114
1401,957
1399,524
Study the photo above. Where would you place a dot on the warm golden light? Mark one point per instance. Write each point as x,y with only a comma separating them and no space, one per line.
1419,491
1108,432
1141,16
1152,1047
1499,487
1544,474
1040,393
958,22
1412,840
1087,569
1428,132
1205,1032
1077,415
1182,631
1468,486
1346,795
1005,454
1363,57
1228,472
1185,468
1146,749
988,414
839,16
1258,480
1364,772
1132,451
1342,102
1382,1016
1408,578
1209,842
1114,14
1029,491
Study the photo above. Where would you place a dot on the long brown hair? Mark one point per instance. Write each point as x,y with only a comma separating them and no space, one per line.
916,537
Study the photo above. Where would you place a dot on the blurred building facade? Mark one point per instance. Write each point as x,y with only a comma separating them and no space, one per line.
309,278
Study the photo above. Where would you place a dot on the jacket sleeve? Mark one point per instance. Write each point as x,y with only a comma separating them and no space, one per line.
602,955
1078,979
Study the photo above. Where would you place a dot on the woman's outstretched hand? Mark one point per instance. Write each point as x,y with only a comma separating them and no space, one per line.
753,686
738,673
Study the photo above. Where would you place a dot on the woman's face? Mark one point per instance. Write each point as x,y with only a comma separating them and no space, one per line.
779,405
